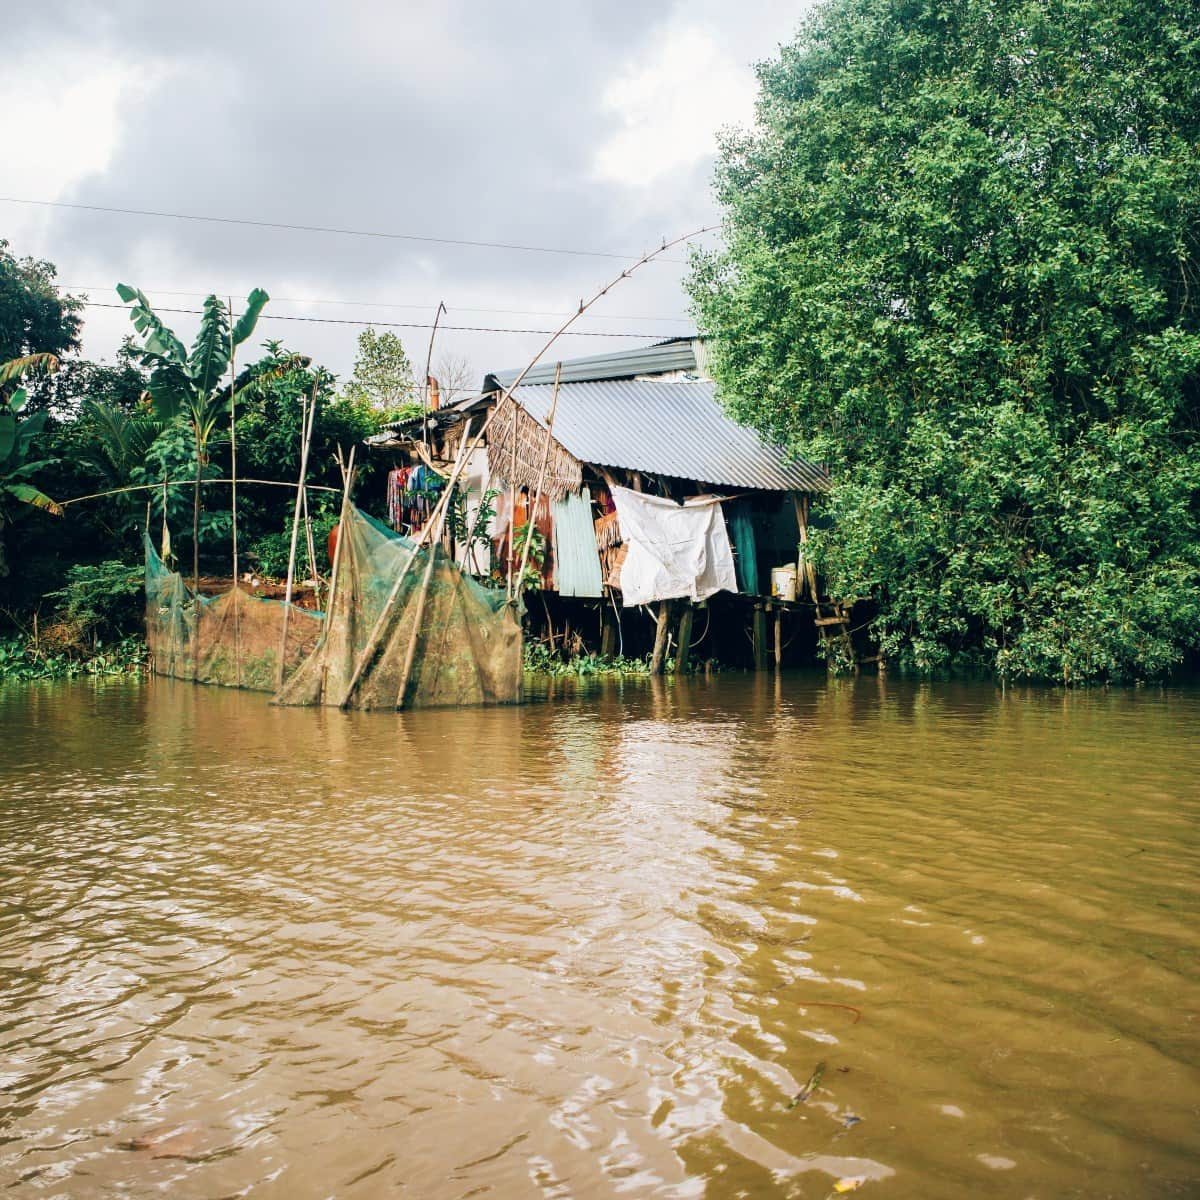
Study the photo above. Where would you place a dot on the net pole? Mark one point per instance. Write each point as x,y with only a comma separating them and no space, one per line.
235,599
306,423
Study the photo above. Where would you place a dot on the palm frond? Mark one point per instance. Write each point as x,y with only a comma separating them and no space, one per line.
211,349
16,367
158,340
28,494
255,303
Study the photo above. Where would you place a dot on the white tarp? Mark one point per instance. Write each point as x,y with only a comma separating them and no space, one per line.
673,550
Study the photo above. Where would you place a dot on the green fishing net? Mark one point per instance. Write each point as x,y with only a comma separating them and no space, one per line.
232,640
407,628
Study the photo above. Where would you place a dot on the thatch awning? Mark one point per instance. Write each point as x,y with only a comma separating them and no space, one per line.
512,424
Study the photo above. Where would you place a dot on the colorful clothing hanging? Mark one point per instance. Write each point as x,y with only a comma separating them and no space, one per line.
411,494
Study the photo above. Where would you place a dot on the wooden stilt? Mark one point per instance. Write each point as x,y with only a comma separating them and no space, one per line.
759,637
685,637
608,631
660,637
778,614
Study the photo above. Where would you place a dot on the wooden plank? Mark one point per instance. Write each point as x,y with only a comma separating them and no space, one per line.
831,621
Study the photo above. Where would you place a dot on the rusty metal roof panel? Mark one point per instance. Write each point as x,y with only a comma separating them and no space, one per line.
677,429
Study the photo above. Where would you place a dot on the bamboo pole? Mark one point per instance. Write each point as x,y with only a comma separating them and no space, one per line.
512,510
506,397
376,634
541,479
801,506
306,424
347,485
410,654
163,483
437,316
234,597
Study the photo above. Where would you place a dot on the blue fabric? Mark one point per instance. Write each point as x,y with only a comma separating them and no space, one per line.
576,559
741,526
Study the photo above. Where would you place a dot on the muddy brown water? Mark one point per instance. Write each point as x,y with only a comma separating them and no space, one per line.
598,946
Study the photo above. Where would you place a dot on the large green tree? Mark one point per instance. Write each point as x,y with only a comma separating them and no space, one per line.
961,267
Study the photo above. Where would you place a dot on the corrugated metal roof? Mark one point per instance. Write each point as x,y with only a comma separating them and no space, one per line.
677,429
677,354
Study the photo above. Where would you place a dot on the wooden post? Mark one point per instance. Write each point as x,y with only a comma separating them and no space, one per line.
660,637
778,611
759,637
608,631
801,505
685,637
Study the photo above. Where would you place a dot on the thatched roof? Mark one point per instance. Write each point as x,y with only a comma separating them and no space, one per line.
513,427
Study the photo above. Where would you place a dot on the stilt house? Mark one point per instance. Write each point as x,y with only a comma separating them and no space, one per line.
660,524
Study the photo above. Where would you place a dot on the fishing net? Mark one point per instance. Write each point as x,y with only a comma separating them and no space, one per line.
232,640
407,628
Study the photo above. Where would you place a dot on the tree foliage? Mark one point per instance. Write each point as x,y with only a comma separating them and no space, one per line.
34,317
961,268
383,375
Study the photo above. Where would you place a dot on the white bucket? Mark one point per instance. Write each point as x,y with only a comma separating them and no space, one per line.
783,582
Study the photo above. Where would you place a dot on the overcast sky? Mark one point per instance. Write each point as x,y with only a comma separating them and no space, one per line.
566,125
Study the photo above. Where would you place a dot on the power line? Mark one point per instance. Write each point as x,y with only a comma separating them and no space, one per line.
365,233
515,312
196,312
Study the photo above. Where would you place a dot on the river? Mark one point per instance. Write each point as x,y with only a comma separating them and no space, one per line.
743,937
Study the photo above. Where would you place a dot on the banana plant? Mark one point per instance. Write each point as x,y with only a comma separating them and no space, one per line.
189,385
16,436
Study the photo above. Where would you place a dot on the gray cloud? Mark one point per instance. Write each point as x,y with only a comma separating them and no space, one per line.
469,120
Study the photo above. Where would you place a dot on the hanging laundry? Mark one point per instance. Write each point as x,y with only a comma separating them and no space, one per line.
673,550
741,529
412,493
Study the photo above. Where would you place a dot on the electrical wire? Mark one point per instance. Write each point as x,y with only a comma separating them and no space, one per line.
514,312
196,312
293,228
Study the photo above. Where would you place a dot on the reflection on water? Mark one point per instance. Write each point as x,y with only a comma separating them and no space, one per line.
600,945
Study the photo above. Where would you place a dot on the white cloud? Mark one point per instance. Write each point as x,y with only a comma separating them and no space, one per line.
670,103
67,107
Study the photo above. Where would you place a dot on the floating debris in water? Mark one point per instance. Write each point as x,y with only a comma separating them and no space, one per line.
814,1081
172,1140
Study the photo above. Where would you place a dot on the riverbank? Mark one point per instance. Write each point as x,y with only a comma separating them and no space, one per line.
22,658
